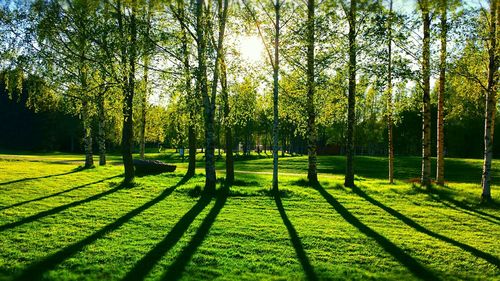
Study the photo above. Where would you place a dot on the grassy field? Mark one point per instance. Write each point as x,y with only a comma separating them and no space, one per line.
58,222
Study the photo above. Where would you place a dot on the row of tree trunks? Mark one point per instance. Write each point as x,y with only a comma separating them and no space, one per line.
491,99
351,117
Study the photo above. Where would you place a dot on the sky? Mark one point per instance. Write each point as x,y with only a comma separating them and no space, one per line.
409,6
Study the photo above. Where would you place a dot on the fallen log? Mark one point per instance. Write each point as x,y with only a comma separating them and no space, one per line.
152,167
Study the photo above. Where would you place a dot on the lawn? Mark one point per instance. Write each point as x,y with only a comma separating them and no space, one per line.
58,222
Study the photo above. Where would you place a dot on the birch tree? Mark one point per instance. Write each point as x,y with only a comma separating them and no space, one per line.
311,112
425,179
351,107
491,98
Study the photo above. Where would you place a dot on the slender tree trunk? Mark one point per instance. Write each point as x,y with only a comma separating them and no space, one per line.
311,121
283,145
87,135
442,84
127,131
191,97
351,117
208,101
426,112
192,147
145,94
87,122
227,126
389,100
102,132
144,104
491,101
277,7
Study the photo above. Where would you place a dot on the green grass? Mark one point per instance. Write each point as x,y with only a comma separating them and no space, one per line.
58,222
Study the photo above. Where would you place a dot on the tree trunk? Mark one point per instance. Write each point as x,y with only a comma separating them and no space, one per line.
351,117
491,101
191,97
227,126
442,84
389,100
426,107
277,7
102,133
208,101
145,94
144,102
312,139
127,131
87,135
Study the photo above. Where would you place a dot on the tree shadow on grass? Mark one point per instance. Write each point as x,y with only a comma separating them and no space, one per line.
176,269
58,209
399,254
297,244
78,169
144,265
36,270
56,194
413,224
446,197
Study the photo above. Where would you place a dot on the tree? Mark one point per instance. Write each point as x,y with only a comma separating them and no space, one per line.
390,105
202,24
63,33
220,69
425,179
145,83
274,59
351,107
227,126
127,44
491,99
311,121
275,64
191,96
442,82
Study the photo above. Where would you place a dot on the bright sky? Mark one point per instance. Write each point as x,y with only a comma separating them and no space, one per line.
409,6
251,48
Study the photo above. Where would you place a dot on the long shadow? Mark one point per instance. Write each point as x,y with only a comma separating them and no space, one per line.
174,272
408,261
42,177
294,237
58,209
446,198
56,194
470,211
413,224
144,265
36,270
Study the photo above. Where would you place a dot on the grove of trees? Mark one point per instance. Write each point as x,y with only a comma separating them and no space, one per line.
316,77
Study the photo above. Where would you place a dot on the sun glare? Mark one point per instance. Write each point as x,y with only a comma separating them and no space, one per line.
251,48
